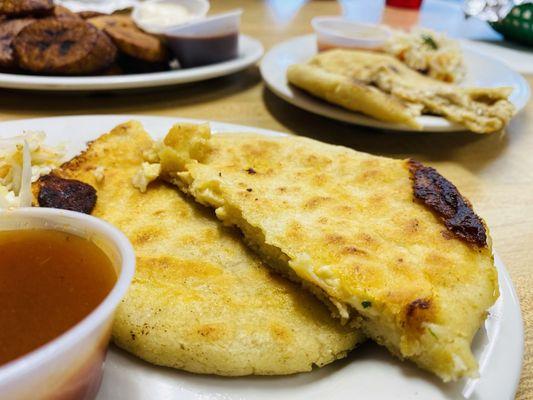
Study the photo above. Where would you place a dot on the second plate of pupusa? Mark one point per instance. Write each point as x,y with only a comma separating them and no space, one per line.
322,85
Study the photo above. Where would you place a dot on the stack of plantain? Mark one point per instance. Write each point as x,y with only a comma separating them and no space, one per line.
39,37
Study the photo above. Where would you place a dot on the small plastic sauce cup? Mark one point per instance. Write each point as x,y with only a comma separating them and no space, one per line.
206,41
70,366
337,32
156,16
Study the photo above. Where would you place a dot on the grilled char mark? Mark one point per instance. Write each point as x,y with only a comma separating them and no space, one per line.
89,14
418,304
442,197
66,194
417,313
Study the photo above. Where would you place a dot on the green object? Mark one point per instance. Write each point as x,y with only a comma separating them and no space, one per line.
428,41
366,304
517,26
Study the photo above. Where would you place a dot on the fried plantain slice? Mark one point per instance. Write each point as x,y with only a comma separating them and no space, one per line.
137,44
63,12
18,8
104,21
129,39
8,31
64,47
89,14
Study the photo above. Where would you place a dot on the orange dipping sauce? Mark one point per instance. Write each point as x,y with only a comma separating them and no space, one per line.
49,281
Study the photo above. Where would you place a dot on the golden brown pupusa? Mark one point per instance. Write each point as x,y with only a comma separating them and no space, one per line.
200,300
349,226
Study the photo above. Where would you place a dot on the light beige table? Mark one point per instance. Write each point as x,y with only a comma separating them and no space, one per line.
494,171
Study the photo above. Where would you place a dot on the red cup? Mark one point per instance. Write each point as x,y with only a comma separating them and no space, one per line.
413,4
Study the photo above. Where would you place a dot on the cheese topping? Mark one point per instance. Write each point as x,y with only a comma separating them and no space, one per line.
147,173
430,53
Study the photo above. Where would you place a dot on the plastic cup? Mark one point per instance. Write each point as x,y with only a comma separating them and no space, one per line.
206,41
141,15
335,32
70,366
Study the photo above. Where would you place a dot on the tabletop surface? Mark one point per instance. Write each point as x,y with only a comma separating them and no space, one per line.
494,171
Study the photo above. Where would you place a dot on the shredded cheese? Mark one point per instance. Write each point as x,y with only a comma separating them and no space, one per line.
147,173
99,174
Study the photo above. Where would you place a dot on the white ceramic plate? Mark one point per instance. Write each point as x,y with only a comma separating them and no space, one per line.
482,71
368,373
518,58
250,51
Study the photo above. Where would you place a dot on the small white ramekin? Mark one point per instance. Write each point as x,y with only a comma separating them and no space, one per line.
70,366
207,40
338,32
197,9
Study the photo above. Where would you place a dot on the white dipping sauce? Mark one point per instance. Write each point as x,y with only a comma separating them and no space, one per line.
162,14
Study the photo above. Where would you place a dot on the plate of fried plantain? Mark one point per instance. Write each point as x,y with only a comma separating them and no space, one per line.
48,47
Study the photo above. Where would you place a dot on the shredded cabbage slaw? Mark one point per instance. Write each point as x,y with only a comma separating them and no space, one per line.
23,159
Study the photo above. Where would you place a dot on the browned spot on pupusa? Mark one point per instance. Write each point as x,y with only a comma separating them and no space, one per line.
280,333
315,202
366,238
316,161
418,304
370,174
412,226
344,209
353,250
443,198
417,312
335,239
294,230
146,234
210,331
319,179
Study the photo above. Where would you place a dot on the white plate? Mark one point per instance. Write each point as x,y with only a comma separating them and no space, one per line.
250,51
517,57
482,71
368,373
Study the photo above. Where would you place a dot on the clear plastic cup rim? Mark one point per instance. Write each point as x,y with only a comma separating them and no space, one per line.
230,18
334,29
197,9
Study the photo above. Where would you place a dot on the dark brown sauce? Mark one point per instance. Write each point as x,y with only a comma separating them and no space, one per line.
49,281
198,51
